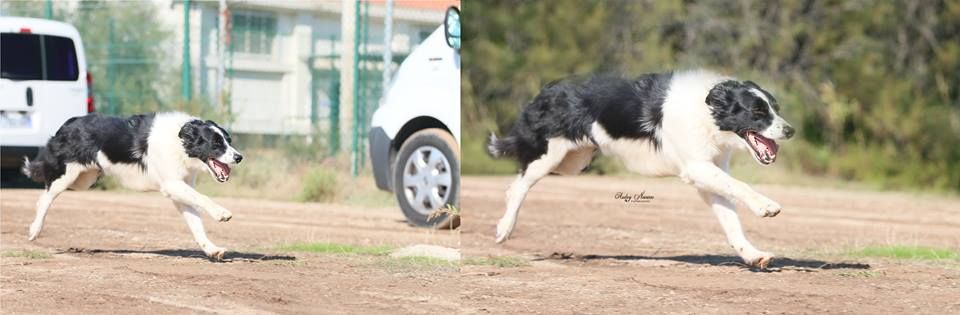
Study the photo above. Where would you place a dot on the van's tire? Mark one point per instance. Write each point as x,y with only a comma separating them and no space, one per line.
427,177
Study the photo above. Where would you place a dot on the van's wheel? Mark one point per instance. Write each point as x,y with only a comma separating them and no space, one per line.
427,178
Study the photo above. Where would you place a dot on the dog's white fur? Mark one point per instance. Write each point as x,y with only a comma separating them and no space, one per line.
168,170
692,148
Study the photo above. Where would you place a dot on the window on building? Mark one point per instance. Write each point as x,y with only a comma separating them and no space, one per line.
254,32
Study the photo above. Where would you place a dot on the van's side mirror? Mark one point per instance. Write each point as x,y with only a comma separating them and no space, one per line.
451,27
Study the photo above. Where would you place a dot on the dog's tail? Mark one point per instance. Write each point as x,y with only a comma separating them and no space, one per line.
34,170
497,148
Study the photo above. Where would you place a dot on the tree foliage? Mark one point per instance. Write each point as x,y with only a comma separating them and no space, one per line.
126,48
874,86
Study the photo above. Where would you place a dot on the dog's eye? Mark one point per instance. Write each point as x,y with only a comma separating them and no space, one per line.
759,111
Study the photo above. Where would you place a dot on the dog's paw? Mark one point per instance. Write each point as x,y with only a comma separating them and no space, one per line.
766,208
215,253
504,229
759,260
225,215
34,232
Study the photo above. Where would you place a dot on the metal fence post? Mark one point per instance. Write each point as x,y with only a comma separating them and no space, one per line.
185,83
356,91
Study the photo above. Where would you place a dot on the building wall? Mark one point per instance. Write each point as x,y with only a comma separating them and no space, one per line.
271,93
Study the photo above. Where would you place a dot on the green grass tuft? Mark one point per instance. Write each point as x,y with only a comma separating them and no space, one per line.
331,248
319,185
907,252
29,254
497,261
418,264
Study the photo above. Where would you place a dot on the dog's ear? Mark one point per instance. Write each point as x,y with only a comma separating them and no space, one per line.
723,96
191,137
723,104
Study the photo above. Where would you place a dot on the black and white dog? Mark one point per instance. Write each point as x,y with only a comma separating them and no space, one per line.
153,152
683,124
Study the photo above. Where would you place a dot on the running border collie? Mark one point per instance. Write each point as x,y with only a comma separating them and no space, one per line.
683,124
153,152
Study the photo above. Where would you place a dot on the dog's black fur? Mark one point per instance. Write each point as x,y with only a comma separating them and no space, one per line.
737,109
201,142
122,140
627,108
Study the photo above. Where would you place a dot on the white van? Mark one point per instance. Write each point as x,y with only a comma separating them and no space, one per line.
415,134
43,82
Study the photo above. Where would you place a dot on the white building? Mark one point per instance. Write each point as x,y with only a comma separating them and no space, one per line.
277,47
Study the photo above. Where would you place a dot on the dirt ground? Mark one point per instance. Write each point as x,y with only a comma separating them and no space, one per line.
122,252
588,252
592,253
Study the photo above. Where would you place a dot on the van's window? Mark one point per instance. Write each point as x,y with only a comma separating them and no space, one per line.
23,56
20,58
61,58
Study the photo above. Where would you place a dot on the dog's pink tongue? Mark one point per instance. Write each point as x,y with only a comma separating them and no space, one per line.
766,146
769,145
221,169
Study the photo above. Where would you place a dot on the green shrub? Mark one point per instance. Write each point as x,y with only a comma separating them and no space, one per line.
474,145
319,185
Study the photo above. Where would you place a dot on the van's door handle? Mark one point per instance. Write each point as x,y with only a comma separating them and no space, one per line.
29,96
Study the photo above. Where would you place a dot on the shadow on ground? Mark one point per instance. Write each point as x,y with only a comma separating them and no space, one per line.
181,253
779,264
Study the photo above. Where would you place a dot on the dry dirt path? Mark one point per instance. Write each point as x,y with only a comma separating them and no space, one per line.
592,253
120,252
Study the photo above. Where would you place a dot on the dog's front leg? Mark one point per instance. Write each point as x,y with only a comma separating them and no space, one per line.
199,234
709,177
180,191
727,215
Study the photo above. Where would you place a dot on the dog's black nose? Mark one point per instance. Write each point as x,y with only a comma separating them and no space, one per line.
788,131
237,157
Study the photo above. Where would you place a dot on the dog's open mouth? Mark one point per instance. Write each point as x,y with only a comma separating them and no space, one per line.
764,149
219,170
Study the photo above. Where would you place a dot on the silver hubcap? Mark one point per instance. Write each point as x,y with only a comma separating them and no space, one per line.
426,179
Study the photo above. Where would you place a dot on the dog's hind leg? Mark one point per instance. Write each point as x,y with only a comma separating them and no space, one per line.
199,234
557,149
727,215
56,187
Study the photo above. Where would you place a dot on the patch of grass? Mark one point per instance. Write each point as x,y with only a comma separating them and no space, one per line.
497,261
373,255
106,183
907,252
448,210
23,253
332,248
319,184
419,263
858,274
